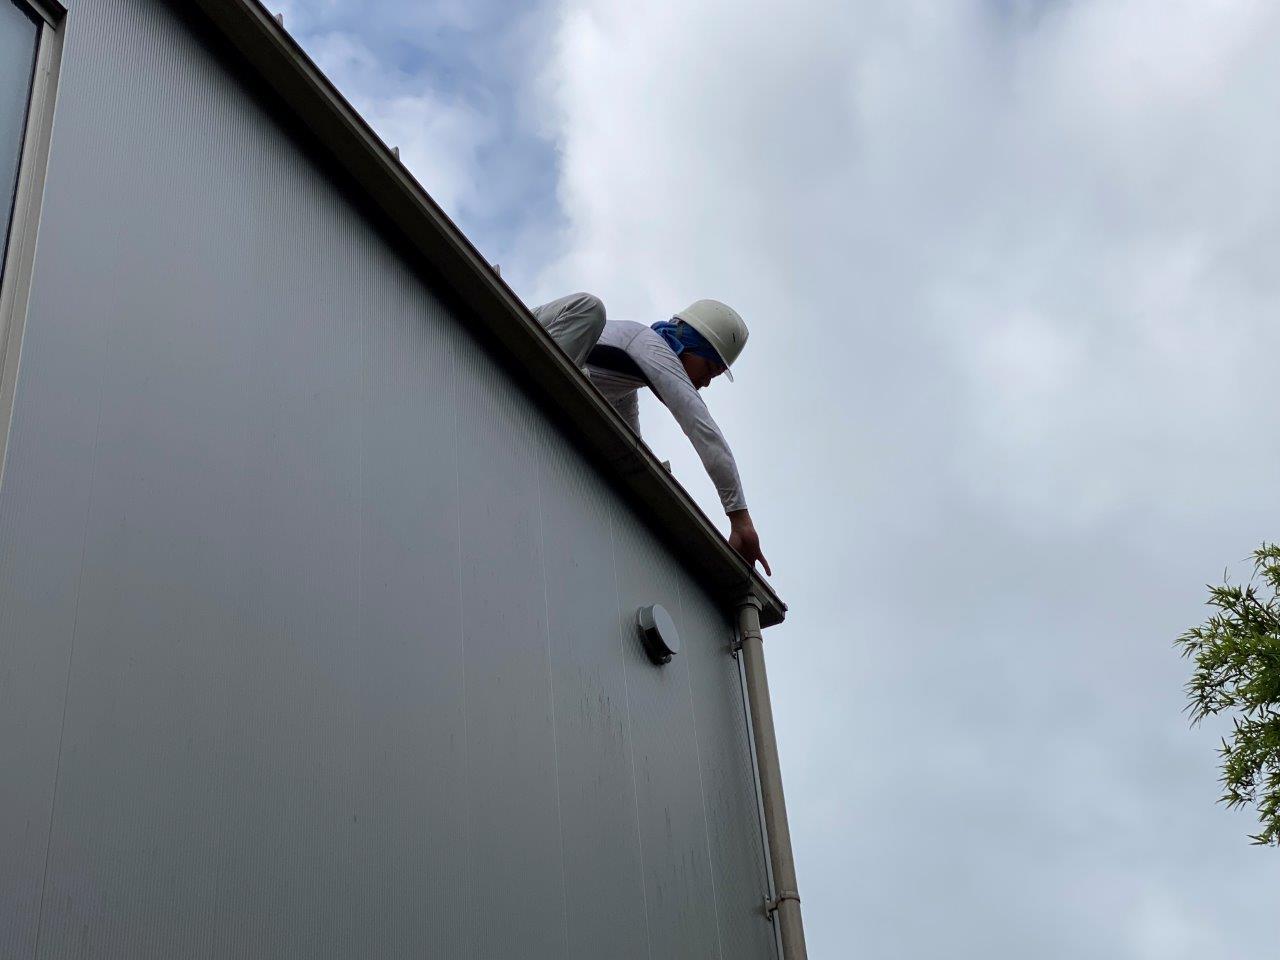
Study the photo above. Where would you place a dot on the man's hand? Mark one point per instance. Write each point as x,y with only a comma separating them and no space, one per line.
744,539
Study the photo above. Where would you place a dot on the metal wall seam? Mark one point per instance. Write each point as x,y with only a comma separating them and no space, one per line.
24,224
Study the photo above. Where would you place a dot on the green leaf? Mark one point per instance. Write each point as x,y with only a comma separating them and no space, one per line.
1237,671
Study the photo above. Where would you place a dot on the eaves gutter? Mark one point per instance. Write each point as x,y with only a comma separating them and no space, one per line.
280,63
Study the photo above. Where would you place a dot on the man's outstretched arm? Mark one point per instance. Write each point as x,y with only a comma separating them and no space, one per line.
744,539
676,391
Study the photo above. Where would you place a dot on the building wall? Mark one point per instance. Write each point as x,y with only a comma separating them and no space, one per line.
315,637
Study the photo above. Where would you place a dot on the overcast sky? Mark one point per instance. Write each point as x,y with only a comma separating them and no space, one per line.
1012,271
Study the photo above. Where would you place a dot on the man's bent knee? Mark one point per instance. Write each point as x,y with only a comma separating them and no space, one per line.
590,304
575,322
591,308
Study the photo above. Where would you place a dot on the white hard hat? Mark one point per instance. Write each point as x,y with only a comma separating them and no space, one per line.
721,326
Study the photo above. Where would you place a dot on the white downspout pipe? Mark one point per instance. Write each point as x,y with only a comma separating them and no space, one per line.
786,905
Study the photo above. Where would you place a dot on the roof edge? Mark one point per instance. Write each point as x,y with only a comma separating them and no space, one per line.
279,62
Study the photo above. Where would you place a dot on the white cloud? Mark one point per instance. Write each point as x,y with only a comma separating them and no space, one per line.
439,136
1008,405
1166,930
450,85
938,171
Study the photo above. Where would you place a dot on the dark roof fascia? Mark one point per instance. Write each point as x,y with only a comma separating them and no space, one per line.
285,68
51,11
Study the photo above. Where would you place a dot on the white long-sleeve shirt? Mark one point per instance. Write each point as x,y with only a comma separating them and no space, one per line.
629,356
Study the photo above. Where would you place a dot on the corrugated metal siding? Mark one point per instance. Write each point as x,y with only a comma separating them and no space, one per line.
673,830
315,638
603,859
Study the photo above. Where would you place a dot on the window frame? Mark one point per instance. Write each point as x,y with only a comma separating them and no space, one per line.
19,261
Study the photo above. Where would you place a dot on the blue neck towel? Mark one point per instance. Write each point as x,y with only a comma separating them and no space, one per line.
681,337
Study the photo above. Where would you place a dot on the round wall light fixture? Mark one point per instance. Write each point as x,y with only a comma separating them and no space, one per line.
658,633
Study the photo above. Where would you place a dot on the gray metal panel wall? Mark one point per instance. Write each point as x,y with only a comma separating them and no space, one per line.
604,863
316,640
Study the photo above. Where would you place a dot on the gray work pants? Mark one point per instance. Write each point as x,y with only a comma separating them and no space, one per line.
575,323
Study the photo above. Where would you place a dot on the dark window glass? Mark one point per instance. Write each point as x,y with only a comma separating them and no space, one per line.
19,31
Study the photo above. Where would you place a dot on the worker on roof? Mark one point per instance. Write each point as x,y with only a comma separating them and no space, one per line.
675,359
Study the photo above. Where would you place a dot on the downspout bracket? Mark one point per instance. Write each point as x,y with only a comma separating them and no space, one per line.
743,634
771,906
